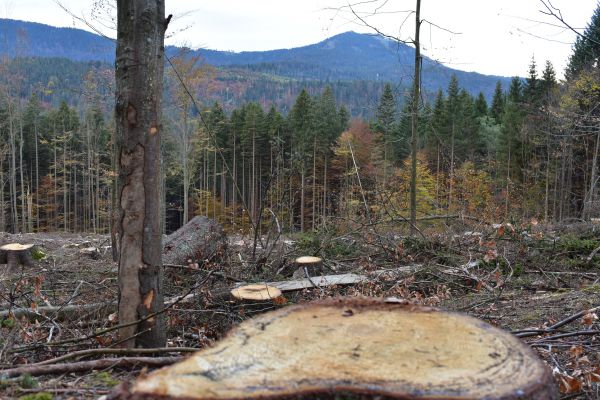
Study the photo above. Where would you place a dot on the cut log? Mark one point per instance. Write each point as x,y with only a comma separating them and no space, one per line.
356,348
197,240
15,254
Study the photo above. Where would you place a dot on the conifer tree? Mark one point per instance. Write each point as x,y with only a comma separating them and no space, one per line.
384,124
498,102
586,50
481,107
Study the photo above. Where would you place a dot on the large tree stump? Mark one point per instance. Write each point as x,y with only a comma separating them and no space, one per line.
356,348
15,254
197,240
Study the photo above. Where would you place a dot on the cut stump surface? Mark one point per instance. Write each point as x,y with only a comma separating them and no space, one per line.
357,347
256,292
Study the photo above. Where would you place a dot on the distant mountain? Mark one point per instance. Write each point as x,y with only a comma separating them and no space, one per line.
348,56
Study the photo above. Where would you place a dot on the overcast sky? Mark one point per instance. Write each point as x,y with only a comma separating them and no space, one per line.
490,36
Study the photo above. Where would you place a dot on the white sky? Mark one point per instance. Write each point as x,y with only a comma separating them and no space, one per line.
496,36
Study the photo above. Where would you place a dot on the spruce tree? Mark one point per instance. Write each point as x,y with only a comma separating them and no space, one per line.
481,107
531,91
498,101
586,50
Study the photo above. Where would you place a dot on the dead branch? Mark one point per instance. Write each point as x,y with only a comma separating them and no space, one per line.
119,352
86,366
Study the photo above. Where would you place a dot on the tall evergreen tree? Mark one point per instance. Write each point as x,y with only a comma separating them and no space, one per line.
498,102
586,50
531,91
481,107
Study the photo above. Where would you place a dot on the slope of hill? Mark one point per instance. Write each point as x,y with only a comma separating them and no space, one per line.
348,56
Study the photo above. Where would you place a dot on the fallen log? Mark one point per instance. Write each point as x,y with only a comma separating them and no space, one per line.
355,348
198,240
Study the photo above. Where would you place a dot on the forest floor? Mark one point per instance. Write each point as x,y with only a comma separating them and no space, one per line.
540,282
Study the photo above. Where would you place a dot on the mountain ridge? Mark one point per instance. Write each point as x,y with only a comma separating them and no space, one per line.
347,56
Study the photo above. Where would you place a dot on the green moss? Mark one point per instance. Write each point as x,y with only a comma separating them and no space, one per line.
592,289
105,379
7,323
37,396
37,253
578,245
28,382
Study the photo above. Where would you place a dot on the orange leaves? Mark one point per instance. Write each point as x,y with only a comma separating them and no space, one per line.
589,318
280,301
568,384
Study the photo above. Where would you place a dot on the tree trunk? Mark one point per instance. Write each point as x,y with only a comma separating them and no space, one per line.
141,27
415,121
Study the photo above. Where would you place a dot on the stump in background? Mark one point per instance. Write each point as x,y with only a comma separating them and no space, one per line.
356,348
308,266
15,254
197,240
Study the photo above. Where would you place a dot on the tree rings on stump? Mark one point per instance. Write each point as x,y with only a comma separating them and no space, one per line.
256,292
357,348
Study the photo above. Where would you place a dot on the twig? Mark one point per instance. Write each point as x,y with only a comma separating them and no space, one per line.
568,334
85,366
120,352
535,332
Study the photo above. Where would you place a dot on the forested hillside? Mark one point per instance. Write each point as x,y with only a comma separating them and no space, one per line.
343,60
300,151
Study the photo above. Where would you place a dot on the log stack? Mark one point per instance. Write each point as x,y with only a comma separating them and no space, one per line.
356,348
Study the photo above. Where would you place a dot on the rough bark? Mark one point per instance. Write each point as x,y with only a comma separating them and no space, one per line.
141,26
356,348
199,239
414,124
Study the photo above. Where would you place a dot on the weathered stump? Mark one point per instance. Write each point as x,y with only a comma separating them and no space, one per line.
308,266
197,240
356,348
258,292
15,254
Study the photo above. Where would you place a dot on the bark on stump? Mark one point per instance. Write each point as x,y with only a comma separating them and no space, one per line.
15,254
356,348
199,239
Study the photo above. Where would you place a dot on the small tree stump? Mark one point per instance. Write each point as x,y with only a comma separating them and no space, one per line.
356,348
15,254
257,292
308,265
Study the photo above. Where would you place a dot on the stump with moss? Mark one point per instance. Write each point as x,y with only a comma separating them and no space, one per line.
355,348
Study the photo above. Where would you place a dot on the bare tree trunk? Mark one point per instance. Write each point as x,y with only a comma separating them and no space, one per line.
314,183
591,195
302,200
325,189
13,169
23,195
2,205
139,83
415,121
